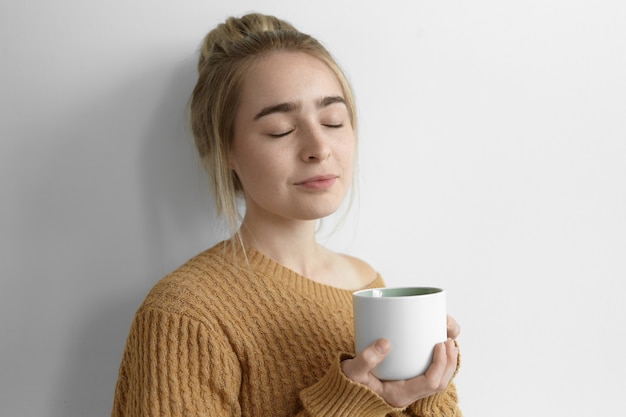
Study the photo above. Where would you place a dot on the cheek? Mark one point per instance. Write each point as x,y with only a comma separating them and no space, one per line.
246,169
350,161
254,171
347,154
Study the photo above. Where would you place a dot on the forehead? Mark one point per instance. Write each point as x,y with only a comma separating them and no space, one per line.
288,77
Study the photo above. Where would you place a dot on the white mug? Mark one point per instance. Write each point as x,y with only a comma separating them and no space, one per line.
412,319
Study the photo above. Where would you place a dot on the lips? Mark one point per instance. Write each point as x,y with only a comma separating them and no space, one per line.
318,182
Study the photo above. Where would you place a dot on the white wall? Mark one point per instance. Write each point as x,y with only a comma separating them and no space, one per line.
493,163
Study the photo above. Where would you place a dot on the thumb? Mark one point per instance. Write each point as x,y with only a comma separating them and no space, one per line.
358,369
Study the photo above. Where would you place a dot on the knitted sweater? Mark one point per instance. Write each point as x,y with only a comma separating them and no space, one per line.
227,337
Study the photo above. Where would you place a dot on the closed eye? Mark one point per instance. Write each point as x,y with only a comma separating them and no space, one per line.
333,125
280,135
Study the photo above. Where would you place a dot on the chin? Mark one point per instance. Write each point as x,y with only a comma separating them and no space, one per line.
317,213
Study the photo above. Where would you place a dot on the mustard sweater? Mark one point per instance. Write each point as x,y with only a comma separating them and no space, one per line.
226,336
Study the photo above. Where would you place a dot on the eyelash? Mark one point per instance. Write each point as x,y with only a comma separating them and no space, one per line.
280,135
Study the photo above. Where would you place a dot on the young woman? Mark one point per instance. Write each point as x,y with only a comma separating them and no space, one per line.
261,324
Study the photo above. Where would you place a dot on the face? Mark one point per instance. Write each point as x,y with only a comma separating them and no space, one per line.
293,146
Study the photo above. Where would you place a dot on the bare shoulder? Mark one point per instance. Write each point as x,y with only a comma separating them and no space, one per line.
363,274
344,271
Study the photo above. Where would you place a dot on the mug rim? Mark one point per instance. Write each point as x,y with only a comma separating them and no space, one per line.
423,291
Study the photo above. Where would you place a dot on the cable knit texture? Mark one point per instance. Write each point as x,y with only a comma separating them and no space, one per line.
228,335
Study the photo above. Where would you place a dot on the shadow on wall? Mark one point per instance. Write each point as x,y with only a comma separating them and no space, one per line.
177,221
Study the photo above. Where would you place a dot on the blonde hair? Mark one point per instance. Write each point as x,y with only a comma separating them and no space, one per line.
226,55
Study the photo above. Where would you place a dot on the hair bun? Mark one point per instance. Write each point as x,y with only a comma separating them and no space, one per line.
235,29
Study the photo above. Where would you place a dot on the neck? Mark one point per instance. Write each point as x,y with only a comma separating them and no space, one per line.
290,243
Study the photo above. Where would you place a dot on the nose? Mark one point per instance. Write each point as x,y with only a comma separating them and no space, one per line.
315,146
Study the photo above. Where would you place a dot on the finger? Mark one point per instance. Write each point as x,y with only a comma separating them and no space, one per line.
454,329
436,378
439,379
437,368
358,369
421,386
452,353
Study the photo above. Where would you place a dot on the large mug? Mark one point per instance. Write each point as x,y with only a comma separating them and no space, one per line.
412,319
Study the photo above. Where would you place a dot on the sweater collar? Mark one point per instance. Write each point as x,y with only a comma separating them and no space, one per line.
264,267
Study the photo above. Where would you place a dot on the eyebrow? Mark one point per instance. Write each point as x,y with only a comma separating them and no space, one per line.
293,106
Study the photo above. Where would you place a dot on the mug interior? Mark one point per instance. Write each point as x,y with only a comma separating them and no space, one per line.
397,292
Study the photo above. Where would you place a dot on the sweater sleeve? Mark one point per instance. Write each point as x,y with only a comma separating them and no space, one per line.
336,395
169,369
174,366
443,404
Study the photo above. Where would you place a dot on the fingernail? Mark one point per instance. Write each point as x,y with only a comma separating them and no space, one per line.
382,346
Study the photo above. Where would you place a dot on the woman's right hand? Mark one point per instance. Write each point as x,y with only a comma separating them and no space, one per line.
404,392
